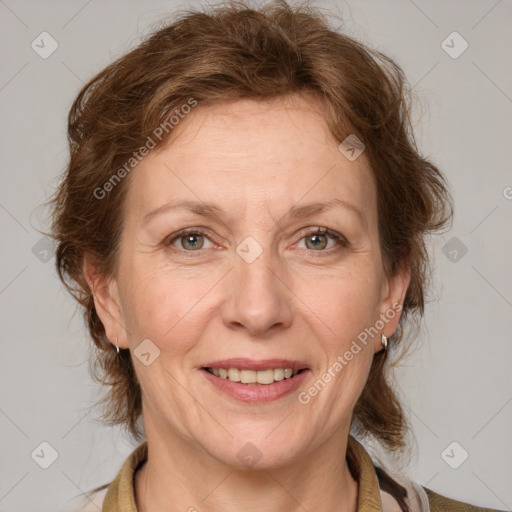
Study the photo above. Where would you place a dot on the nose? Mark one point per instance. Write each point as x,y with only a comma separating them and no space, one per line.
259,300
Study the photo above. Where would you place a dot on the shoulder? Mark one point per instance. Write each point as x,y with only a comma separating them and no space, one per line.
440,503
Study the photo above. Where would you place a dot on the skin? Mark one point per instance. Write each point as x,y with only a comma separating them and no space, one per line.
254,160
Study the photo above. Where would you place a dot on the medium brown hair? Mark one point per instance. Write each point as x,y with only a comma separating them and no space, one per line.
225,53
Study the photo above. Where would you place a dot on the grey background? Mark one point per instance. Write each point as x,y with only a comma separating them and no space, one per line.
456,386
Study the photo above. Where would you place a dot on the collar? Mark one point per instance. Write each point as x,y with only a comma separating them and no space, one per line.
120,495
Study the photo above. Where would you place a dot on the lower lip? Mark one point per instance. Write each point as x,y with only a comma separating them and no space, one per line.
257,392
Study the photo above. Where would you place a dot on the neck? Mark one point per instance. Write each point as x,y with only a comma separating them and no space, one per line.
178,476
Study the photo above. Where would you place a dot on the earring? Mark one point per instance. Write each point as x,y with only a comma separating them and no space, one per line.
117,348
384,342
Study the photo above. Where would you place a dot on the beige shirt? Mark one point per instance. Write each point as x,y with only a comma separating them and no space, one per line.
120,495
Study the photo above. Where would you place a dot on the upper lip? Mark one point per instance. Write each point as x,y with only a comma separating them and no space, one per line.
244,363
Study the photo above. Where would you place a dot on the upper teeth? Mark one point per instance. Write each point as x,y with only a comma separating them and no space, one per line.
252,377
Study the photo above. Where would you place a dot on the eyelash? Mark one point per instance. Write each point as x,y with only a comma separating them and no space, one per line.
340,239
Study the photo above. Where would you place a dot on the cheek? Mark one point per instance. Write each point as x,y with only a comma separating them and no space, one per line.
343,311
338,310
342,304
165,307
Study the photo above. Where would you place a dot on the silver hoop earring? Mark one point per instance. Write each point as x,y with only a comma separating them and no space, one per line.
117,348
384,342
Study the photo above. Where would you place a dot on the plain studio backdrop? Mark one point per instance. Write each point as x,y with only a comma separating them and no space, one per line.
456,387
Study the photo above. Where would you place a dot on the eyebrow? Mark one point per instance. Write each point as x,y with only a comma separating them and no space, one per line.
309,209
197,207
210,210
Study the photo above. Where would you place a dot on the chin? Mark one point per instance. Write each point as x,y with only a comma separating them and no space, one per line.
256,452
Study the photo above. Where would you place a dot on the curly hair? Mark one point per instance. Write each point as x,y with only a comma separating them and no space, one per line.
224,53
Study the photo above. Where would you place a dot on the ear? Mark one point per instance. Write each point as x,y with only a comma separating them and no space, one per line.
106,301
393,296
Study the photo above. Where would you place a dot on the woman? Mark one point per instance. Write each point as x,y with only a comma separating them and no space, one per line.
243,220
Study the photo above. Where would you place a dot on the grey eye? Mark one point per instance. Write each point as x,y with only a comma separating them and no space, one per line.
317,241
190,241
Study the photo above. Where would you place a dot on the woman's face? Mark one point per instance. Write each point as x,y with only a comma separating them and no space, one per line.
251,282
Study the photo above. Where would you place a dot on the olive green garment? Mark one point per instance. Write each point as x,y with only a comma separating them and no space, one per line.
120,495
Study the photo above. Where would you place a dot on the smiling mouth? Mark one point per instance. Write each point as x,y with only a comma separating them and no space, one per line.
263,377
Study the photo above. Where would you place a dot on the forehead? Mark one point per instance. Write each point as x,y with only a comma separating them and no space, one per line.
252,153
